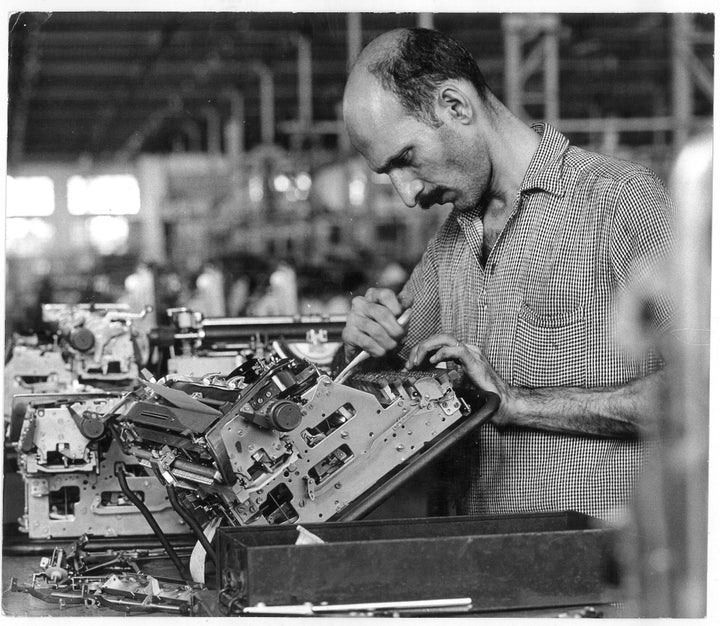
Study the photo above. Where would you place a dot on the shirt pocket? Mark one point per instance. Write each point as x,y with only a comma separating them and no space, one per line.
550,351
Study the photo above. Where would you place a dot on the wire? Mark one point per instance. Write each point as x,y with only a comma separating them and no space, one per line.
191,522
182,570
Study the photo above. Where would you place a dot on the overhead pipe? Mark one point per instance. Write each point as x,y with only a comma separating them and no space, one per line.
354,45
305,86
354,37
551,76
513,64
425,20
235,127
682,87
267,102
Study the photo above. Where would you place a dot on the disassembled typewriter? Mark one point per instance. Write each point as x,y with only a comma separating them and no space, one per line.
274,441
91,346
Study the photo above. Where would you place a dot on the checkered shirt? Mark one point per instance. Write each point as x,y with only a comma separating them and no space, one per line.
544,311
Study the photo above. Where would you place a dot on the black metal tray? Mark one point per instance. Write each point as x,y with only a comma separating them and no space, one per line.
500,562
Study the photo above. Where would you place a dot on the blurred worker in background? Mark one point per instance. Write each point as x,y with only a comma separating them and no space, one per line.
520,284
281,297
209,297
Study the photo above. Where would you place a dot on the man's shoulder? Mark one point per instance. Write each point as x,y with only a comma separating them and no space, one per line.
588,164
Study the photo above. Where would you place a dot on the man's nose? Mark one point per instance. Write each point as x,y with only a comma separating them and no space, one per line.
408,187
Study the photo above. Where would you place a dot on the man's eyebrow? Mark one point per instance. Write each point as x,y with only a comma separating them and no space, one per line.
387,165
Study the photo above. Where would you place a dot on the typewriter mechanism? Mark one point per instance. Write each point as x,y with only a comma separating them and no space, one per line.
277,441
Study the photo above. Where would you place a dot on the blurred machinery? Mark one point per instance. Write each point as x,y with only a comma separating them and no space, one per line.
92,346
192,344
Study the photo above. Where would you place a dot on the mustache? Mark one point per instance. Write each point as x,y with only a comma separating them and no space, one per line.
432,198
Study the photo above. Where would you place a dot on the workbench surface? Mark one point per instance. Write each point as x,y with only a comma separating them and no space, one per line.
18,604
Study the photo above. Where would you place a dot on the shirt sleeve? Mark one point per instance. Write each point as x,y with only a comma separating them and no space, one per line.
421,290
641,247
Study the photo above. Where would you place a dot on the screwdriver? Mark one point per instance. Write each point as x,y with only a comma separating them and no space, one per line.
364,355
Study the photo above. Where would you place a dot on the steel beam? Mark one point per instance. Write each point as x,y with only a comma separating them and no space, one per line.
354,37
681,81
267,102
541,33
425,20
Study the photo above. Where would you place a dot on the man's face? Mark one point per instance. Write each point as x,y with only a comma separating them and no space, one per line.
426,165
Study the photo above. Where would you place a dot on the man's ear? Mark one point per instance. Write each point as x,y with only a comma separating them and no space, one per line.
453,101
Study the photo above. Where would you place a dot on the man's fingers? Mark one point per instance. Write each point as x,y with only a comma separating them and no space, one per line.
420,351
455,352
473,362
367,334
372,323
386,298
369,308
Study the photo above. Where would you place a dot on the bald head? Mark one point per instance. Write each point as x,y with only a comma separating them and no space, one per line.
411,64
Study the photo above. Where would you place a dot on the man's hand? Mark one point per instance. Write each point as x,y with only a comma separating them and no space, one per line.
477,367
621,411
372,323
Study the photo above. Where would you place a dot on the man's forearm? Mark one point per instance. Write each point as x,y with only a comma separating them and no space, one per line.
622,411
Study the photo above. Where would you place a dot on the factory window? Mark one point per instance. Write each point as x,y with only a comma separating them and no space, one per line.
30,196
117,194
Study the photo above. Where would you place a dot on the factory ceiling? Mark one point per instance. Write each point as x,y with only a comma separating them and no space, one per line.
105,86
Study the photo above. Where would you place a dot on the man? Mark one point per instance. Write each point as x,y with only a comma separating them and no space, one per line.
522,282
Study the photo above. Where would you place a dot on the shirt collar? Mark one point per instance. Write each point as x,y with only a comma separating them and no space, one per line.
545,170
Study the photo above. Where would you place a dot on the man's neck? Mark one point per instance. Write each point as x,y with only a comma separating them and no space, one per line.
512,147
495,216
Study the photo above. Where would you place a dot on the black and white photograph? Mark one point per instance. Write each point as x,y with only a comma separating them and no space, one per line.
358,311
